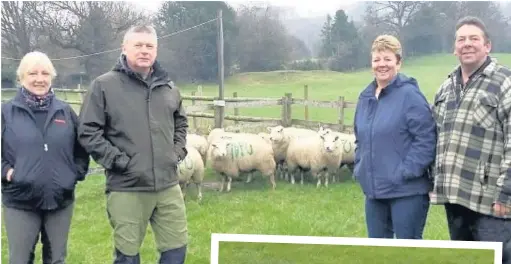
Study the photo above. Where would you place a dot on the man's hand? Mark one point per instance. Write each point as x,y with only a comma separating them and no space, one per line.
501,209
9,174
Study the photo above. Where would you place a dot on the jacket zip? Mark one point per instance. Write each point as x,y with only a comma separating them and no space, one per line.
149,92
49,117
463,91
371,145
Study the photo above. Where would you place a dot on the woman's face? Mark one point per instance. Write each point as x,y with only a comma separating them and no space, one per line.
385,65
37,80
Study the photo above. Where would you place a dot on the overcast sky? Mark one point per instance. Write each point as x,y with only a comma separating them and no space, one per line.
302,8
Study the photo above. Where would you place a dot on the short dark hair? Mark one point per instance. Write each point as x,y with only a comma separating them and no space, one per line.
474,21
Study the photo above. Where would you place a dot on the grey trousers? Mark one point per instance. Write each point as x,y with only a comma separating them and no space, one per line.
23,229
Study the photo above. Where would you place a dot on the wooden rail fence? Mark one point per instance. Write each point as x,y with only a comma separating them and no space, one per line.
209,103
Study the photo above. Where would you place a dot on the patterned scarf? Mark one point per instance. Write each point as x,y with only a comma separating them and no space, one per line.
37,102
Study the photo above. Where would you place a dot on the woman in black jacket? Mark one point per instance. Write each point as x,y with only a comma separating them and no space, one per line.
41,163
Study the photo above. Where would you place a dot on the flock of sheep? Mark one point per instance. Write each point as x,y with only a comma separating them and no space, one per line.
283,151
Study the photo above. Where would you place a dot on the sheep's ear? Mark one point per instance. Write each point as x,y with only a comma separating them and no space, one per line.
269,129
336,138
209,128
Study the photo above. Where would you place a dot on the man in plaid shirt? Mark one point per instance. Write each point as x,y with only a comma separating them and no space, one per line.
473,156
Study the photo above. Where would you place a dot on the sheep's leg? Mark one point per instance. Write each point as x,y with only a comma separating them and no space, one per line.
229,184
249,178
318,175
326,178
183,189
292,176
272,180
286,172
199,191
301,177
223,182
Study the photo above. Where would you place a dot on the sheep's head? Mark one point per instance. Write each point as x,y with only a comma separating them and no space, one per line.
219,147
276,133
331,142
324,131
265,137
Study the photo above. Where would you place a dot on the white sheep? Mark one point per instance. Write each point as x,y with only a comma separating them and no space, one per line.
265,136
348,140
317,153
280,137
200,143
220,132
231,156
191,168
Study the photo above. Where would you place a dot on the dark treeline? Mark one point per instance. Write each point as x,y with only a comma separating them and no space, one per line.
255,37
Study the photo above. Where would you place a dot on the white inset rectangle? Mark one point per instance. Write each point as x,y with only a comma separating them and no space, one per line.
349,241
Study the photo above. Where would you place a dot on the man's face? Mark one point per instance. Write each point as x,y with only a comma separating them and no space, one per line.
470,47
140,50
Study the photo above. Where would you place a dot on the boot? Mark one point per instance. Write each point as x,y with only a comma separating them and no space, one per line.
173,256
120,258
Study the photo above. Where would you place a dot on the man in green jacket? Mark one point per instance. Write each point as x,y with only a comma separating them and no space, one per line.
132,122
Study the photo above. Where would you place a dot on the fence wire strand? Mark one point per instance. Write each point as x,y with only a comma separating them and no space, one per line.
112,50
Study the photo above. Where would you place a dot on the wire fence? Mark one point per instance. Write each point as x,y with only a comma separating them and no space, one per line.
118,49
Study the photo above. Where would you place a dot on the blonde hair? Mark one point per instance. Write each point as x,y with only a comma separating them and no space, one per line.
388,43
30,60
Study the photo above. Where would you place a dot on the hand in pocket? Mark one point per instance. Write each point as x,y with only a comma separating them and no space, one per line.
9,174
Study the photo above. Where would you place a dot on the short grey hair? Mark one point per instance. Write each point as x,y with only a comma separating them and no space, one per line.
140,29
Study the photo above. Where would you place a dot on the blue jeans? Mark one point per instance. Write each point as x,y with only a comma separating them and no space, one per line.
404,217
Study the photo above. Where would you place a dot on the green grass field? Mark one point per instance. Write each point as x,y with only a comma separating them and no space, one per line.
268,253
253,208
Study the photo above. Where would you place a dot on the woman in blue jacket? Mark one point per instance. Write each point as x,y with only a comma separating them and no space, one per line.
396,135
41,163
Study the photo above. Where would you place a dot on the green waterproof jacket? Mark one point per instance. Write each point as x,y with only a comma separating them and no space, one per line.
135,128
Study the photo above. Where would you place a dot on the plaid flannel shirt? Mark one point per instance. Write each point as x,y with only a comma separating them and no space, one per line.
473,155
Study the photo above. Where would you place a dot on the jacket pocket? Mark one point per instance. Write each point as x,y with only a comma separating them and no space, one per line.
133,166
482,171
440,109
19,192
485,112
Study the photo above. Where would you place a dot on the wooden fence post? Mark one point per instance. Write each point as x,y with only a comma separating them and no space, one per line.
236,110
341,113
306,97
194,119
287,101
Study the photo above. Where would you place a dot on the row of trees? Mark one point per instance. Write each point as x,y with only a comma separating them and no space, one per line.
255,38
422,27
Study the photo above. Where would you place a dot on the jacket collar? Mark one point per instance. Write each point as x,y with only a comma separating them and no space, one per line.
158,74
370,90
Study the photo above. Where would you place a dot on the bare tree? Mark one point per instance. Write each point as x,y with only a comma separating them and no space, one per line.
89,28
20,32
393,15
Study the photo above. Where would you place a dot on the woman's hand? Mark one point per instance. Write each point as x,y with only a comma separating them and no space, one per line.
9,174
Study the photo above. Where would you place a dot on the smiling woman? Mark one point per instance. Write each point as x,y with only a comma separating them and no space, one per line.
395,146
41,164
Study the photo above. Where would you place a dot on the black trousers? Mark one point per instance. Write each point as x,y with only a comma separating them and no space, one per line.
467,225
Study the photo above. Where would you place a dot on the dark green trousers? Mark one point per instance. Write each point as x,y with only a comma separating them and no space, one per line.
130,213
